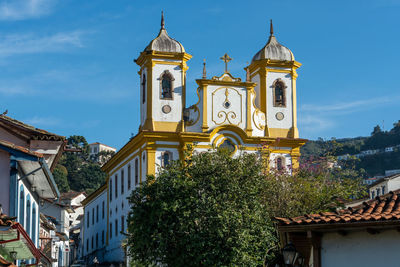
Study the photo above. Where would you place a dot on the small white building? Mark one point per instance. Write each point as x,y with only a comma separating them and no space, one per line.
389,149
343,157
94,227
96,148
384,185
366,235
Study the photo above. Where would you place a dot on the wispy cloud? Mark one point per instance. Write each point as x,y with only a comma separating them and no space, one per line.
314,123
14,44
16,91
349,106
43,121
25,9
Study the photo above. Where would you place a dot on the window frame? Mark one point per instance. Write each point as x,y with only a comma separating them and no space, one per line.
274,84
170,155
172,79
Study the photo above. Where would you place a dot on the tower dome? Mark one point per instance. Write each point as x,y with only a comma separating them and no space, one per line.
274,50
164,43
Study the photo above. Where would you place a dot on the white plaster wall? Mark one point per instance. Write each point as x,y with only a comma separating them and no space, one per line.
98,226
197,115
272,122
217,115
144,165
34,200
5,181
256,79
258,118
158,155
360,249
393,184
288,160
176,103
78,211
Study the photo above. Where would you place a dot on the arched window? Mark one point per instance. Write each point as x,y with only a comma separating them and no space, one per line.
166,158
280,163
279,93
28,215
144,88
166,85
228,145
34,223
21,206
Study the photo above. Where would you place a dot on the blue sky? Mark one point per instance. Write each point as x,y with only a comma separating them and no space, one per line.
67,66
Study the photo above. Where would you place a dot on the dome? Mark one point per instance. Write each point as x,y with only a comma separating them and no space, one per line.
164,43
274,50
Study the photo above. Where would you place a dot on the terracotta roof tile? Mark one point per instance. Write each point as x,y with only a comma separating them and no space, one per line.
382,208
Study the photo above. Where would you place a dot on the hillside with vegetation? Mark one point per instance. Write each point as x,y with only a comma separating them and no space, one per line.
370,156
77,170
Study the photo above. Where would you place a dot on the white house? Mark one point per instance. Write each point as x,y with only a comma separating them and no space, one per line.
94,227
366,235
384,185
27,156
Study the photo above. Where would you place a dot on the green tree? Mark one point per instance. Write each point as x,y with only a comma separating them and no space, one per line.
214,210
60,174
377,129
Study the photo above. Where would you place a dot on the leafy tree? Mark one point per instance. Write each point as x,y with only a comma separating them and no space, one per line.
214,210
377,129
60,174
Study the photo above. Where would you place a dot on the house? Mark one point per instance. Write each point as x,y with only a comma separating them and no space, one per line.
384,185
15,243
94,229
59,214
73,200
27,157
366,235
389,149
96,148
343,157
46,243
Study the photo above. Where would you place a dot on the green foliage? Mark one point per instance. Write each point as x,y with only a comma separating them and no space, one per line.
76,171
214,210
206,211
61,178
366,166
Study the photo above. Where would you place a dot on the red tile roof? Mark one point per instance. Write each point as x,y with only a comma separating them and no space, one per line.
35,133
70,195
20,148
6,220
384,208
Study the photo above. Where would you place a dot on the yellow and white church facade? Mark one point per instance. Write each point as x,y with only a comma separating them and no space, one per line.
255,115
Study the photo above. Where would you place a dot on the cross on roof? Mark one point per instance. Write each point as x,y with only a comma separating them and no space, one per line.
226,59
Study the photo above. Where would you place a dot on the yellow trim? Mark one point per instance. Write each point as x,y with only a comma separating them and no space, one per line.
151,160
205,124
140,164
189,137
167,126
279,132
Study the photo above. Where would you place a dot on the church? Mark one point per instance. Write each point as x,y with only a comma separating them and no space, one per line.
257,115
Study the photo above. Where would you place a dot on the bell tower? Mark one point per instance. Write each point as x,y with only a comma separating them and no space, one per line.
273,68
162,83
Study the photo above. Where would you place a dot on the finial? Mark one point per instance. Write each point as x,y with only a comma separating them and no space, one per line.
204,70
271,28
247,73
226,59
162,20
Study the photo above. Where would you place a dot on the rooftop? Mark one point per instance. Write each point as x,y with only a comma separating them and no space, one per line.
384,208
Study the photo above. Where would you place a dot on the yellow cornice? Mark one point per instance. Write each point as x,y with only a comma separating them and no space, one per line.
205,82
265,63
150,55
144,137
94,194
